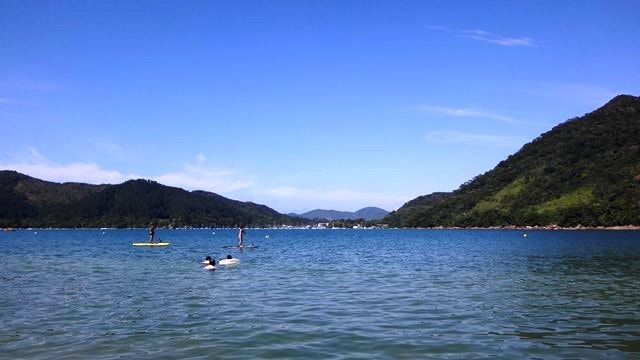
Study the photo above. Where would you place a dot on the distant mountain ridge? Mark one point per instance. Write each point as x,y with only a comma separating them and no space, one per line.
367,213
30,202
585,171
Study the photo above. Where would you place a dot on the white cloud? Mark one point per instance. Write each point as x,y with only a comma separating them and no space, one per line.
485,36
200,177
337,198
191,177
462,137
35,164
465,112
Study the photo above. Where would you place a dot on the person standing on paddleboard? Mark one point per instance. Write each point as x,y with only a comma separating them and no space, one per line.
152,232
240,236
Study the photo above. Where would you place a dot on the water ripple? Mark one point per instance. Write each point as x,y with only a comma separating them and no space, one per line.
323,294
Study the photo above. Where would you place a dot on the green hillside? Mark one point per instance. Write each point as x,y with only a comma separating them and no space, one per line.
585,171
29,202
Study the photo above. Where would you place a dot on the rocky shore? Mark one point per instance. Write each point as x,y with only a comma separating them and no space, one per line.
542,227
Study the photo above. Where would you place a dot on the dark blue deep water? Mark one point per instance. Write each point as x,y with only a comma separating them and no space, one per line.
345,294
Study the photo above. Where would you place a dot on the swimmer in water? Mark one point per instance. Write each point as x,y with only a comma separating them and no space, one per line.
229,261
209,263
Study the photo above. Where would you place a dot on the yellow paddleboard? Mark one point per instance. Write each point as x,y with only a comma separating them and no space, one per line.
151,244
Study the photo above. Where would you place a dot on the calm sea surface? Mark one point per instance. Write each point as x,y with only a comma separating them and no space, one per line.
384,294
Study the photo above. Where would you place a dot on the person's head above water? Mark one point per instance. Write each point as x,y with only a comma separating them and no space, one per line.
229,257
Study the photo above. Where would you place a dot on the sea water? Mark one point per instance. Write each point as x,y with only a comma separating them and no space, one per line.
321,294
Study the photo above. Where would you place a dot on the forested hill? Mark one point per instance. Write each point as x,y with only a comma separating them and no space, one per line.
585,171
29,202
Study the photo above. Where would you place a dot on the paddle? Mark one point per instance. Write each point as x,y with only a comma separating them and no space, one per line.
248,238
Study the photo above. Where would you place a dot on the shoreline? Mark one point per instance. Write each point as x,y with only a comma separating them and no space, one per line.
506,227
536,227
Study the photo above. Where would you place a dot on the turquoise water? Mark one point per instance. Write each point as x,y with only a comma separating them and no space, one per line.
385,294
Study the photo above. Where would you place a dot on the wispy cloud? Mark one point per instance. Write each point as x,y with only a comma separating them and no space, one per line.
337,199
110,149
577,93
465,112
203,177
336,195
446,136
30,85
485,36
10,101
35,164
344,198
198,176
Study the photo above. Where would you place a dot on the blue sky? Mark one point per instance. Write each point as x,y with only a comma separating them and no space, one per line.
300,105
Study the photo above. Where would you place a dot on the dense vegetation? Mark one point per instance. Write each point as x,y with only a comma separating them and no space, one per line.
585,171
29,202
